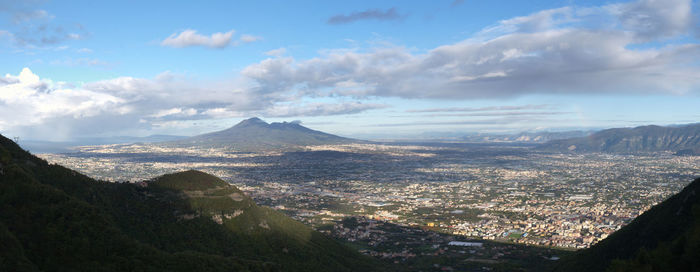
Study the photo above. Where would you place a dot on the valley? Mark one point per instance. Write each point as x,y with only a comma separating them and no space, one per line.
426,136
500,192
414,206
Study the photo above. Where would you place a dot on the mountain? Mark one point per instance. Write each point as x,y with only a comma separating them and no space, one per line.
524,137
682,139
36,146
55,219
664,238
255,134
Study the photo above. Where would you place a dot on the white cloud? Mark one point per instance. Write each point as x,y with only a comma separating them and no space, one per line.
167,91
558,51
370,14
223,113
276,52
74,36
34,28
84,50
30,100
179,112
249,38
42,108
485,109
564,50
319,109
69,61
24,16
190,37
651,19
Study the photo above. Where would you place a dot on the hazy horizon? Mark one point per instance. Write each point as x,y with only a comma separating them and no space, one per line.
378,135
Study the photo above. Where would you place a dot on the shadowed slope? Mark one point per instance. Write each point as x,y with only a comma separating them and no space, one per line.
55,219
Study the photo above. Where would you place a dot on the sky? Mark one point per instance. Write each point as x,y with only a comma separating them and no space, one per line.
366,69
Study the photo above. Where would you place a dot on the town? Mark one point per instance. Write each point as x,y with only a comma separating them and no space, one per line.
499,192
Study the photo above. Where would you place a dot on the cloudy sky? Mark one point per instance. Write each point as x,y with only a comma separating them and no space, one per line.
358,68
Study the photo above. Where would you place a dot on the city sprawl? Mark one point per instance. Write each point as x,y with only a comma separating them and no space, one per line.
499,192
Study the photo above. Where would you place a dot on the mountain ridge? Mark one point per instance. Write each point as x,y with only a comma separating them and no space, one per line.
651,138
254,134
57,219
524,137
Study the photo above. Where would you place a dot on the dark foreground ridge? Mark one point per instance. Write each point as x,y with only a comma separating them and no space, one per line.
55,219
255,134
664,238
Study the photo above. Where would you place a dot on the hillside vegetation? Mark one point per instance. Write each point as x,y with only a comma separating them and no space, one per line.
55,219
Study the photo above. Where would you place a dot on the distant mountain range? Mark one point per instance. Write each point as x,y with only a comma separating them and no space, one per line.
55,219
664,238
255,134
524,137
35,146
684,140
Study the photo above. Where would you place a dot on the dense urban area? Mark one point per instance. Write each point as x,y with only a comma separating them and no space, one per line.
503,192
